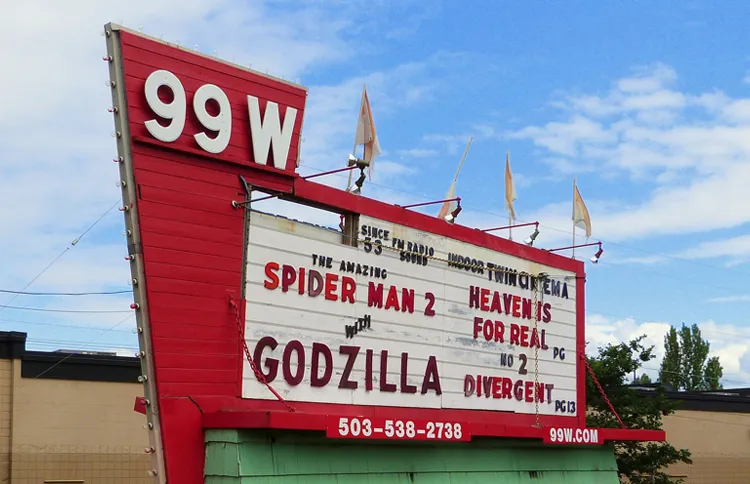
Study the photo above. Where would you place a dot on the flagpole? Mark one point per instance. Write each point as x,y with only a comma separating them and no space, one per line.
510,230
461,164
510,217
354,152
574,217
356,131
463,158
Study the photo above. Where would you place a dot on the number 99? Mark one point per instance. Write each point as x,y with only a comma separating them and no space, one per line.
175,111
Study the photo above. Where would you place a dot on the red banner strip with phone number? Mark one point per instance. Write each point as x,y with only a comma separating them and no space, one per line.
396,429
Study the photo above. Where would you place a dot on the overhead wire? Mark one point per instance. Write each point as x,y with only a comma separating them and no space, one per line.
55,325
57,310
90,293
545,226
65,344
92,341
741,382
61,254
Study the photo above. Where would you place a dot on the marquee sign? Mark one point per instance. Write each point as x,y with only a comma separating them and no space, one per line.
401,326
406,319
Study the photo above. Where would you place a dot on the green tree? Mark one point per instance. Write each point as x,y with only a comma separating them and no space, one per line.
686,365
642,380
637,462
694,355
713,373
670,373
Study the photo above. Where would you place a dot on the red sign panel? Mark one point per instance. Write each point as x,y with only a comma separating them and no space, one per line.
193,135
569,435
187,126
396,429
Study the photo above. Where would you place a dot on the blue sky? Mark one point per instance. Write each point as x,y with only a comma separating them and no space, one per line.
646,103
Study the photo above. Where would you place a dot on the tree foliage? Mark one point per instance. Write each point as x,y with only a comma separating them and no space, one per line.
637,462
670,372
686,365
642,380
712,373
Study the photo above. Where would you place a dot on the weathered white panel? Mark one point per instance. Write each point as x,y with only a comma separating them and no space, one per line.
447,337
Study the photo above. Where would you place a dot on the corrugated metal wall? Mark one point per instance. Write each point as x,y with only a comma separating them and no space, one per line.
259,457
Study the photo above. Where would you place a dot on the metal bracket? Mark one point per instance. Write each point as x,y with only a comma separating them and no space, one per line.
248,193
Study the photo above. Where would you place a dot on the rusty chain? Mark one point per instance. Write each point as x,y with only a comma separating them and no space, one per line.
258,374
536,315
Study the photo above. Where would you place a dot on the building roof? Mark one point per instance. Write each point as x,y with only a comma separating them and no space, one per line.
68,364
736,400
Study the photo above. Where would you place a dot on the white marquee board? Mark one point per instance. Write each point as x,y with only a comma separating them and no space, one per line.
451,345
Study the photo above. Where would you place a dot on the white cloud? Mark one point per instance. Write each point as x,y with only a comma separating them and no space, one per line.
730,343
418,153
686,154
385,170
730,299
645,260
647,79
566,138
734,248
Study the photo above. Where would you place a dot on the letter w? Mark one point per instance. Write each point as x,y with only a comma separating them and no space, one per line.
268,134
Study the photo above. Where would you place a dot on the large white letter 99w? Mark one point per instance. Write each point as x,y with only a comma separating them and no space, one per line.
174,111
221,123
268,134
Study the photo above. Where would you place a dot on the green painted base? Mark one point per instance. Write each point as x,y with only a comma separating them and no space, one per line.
279,457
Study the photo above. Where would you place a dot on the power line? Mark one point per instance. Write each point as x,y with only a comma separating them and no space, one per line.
55,325
671,372
89,343
69,344
51,310
556,229
103,293
59,256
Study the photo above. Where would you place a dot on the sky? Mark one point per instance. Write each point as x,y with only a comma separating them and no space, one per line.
647,104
